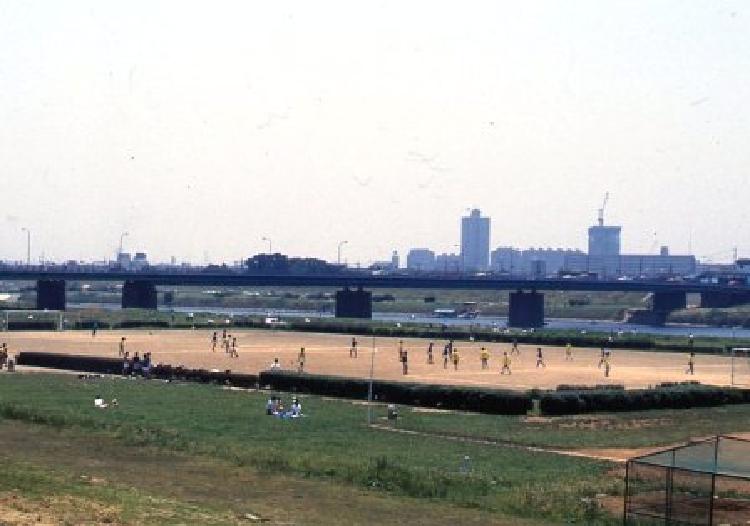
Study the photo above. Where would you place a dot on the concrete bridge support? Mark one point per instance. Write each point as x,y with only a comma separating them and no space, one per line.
526,309
50,294
138,295
353,303
720,300
669,301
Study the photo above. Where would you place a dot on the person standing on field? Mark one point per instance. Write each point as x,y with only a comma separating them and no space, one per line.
568,353
484,356
540,358
400,349
214,340
514,348
301,360
606,365
430,357
121,351
353,349
602,357
506,363
446,354
405,361
456,358
691,364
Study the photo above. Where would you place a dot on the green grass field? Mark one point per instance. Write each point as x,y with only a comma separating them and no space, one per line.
332,445
220,435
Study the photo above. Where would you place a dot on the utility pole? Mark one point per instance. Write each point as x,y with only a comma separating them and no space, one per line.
369,389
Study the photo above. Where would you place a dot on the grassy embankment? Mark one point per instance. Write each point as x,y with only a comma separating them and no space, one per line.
331,446
171,427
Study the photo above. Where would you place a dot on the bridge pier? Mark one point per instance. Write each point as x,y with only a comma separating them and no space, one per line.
138,295
662,303
50,294
719,300
526,309
669,301
353,303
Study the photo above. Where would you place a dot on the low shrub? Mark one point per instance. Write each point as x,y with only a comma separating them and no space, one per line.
493,401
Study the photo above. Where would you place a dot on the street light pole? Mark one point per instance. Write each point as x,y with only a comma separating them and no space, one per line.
28,245
269,244
342,243
369,389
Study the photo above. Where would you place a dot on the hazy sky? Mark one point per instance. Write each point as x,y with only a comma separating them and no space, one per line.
200,127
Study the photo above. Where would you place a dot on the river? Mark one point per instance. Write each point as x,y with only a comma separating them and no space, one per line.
485,321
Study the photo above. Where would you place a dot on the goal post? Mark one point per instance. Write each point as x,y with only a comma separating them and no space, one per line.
740,358
31,319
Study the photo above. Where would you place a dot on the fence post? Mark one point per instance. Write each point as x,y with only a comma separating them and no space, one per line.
627,494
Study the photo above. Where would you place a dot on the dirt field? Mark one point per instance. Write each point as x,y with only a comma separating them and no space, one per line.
329,354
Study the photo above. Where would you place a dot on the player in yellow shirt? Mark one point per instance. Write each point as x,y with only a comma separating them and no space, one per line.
506,363
485,357
301,360
568,353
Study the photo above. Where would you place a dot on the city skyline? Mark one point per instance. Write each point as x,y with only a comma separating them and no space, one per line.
383,123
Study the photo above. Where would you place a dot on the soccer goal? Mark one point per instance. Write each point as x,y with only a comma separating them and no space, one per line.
740,365
46,320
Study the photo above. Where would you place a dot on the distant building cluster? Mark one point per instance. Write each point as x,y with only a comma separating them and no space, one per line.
603,259
135,263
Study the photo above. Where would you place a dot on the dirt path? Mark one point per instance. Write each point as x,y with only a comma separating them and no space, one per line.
616,455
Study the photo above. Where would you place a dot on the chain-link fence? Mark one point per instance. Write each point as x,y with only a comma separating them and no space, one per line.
706,482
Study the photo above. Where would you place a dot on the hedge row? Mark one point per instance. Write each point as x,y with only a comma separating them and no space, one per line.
676,397
491,401
98,364
32,326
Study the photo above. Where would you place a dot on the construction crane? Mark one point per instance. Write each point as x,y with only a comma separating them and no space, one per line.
601,210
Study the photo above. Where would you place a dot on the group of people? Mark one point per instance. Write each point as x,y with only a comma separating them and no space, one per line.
228,343
136,365
275,407
451,355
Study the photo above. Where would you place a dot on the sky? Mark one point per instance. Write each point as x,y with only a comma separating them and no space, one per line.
202,127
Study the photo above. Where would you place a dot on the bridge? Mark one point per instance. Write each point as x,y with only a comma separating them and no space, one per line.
526,307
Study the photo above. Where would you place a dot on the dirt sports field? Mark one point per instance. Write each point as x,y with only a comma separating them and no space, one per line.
329,354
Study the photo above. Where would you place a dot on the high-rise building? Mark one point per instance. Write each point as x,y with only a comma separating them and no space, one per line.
475,241
604,240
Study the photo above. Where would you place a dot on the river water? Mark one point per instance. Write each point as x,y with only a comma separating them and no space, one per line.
484,321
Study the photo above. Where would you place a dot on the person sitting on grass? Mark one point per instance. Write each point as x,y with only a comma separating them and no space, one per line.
126,364
136,365
296,409
270,405
146,365
99,402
